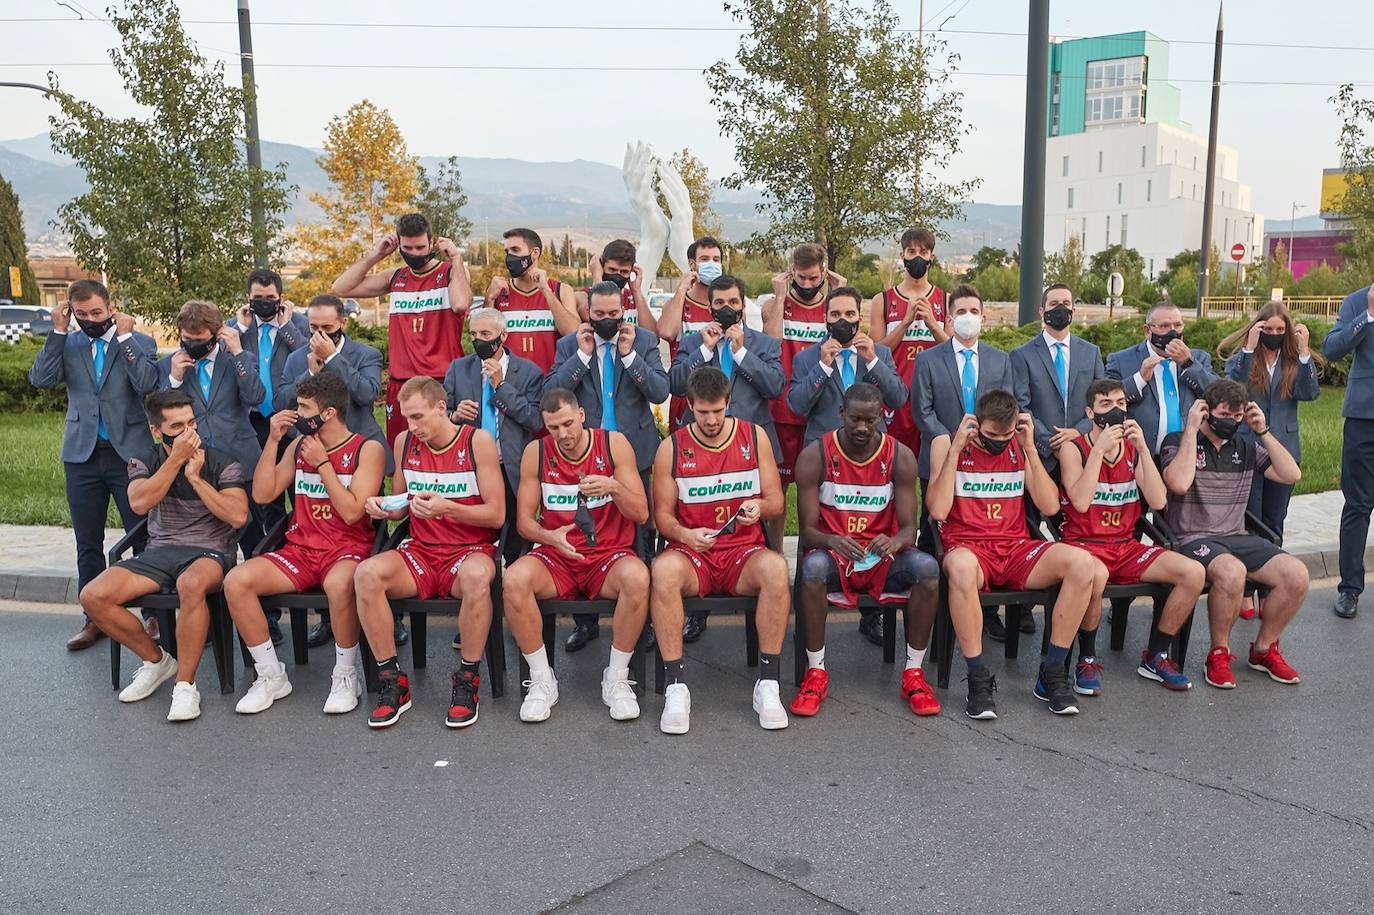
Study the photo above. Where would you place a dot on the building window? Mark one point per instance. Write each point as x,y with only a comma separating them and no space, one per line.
1118,193
1066,166
1107,234
1194,191
1113,74
1071,198
1099,161
1149,189
1194,163
1123,230
1152,268
1175,157
1083,234
1142,157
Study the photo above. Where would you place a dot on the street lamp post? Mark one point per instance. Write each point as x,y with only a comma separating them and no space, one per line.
1292,221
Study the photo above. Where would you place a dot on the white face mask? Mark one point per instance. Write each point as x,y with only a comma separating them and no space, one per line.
967,325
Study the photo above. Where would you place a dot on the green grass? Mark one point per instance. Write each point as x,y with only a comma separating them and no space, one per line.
1320,427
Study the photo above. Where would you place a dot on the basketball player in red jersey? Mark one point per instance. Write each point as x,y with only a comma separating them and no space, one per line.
909,318
428,298
616,264
538,309
1104,474
689,310
457,503
334,472
978,496
856,507
579,500
714,481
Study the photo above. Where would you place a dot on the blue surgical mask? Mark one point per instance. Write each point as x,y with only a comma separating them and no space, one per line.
708,271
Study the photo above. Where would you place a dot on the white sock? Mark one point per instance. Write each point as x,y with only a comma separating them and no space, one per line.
620,661
346,658
265,655
815,658
538,661
914,657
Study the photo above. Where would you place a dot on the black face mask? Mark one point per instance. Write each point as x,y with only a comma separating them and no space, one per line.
1224,427
583,519
725,317
309,425
1272,341
485,349
806,293
265,309
96,329
993,445
416,262
516,266
606,328
620,280
916,267
1059,317
1159,341
336,336
168,440
1113,417
843,331
197,349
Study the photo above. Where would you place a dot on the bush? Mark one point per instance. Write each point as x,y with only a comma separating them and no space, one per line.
17,395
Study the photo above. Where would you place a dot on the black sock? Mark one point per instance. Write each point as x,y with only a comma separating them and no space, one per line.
1087,643
471,667
974,662
672,671
1056,656
768,666
1159,642
389,664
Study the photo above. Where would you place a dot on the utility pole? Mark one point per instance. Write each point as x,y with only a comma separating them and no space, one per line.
920,97
250,123
1204,275
1033,178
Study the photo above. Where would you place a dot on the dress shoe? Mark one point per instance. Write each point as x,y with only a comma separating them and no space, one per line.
1347,605
400,635
319,633
871,627
87,636
580,636
274,632
993,628
1027,620
693,627
150,626
648,640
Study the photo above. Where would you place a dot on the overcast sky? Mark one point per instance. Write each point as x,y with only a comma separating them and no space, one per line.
1285,133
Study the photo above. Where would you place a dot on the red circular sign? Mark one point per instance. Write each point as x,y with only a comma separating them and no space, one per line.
1238,251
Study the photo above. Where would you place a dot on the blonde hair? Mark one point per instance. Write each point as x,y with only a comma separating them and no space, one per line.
423,386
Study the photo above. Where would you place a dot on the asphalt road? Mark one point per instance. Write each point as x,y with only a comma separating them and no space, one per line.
1253,800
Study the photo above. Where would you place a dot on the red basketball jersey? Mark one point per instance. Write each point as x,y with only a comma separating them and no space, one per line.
558,479
531,331
315,524
1116,504
917,337
989,494
424,334
713,481
857,496
450,472
802,325
695,316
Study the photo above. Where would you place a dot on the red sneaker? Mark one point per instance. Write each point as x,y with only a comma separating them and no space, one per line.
1218,671
1272,663
916,691
812,692
1247,609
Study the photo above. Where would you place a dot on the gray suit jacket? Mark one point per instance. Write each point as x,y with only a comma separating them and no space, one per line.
360,366
1143,405
1281,412
291,336
117,397
235,389
637,388
817,396
1350,334
515,399
938,403
757,378
1037,387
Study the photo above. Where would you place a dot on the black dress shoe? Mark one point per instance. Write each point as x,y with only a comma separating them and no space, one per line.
319,633
1027,620
871,626
274,632
400,635
580,636
1347,605
993,628
648,639
693,627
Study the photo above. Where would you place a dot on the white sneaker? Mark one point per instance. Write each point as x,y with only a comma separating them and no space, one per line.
618,692
148,678
344,689
270,686
540,700
677,710
772,716
185,703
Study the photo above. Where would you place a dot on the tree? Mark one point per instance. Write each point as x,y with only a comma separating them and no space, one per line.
1066,266
373,182
1357,158
986,257
836,114
14,252
167,215
1125,261
441,199
705,220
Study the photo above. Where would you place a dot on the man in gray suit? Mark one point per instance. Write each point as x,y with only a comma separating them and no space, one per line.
1162,376
107,369
1051,374
823,371
616,373
1350,334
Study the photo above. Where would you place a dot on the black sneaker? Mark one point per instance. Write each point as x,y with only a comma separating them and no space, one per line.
393,698
693,627
319,633
993,628
871,627
1027,620
1052,686
274,632
399,634
462,703
981,685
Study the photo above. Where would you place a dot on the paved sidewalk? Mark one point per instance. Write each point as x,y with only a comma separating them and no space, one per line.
38,563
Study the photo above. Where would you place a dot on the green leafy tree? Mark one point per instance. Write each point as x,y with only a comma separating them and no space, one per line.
167,215
1000,283
14,252
838,115
1182,286
1125,261
441,199
986,257
1356,145
1066,266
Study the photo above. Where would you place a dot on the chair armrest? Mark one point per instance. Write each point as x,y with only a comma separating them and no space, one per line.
274,537
1168,536
401,532
124,543
1257,527
936,541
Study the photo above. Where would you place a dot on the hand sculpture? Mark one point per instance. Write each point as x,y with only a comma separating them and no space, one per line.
638,172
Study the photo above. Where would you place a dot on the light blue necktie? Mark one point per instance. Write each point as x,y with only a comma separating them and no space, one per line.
99,361
969,382
265,368
847,369
608,389
1173,421
1061,368
203,376
488,411
727,358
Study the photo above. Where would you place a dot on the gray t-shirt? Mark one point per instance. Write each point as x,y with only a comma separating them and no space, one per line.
181,518
1215,504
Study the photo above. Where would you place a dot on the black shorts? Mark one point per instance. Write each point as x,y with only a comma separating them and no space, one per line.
163,564
1252,550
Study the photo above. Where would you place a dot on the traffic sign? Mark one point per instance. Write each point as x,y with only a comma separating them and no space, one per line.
1116,284
1238,251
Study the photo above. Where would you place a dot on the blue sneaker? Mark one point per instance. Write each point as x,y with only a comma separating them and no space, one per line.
1087,677
1162,668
